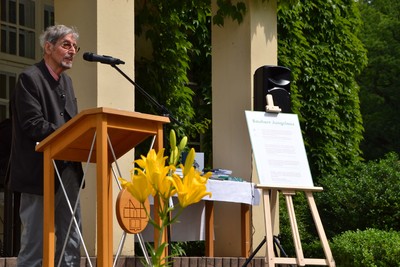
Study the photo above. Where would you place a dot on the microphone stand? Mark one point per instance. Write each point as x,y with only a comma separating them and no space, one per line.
165,112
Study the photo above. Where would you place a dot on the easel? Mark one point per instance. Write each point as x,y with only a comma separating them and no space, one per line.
270,197
271,210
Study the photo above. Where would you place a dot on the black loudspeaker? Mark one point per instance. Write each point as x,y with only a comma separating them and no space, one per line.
273,80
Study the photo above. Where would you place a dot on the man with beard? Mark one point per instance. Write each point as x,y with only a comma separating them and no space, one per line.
43,101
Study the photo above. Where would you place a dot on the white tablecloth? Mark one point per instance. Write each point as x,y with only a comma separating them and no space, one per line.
191,225
230,191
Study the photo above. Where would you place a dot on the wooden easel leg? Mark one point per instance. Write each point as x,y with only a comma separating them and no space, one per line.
295,230
274,211
270,257
320,229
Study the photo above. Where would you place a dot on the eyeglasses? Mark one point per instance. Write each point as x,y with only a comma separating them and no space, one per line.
67,46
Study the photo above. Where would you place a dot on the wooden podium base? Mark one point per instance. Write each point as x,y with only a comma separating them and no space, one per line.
72,142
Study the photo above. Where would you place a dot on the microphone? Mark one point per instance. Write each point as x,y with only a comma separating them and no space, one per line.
102,59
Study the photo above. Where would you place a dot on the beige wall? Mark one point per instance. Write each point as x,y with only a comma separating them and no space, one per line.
107,28
237,51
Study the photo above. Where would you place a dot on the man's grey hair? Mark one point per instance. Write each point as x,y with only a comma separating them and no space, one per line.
53,33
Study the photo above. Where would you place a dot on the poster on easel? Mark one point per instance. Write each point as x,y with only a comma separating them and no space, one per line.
278,149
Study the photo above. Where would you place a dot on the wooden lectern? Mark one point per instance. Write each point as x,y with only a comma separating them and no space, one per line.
72,142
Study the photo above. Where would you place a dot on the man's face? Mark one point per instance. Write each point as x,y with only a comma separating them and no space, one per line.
61,54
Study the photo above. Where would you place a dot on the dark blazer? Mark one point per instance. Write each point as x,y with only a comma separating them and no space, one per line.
39,106
5,149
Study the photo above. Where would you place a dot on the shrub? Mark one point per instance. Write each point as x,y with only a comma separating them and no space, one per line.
368,248
363,195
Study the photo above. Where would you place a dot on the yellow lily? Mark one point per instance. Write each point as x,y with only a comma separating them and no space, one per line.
139,186
192,187
152,176
156,173
152,156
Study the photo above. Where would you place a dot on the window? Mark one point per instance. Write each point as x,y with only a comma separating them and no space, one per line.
18,35
48,16
7,83
20,26
21,22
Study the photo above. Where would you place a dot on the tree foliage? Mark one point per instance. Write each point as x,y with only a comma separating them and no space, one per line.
177,33
318,42
379,81
229,10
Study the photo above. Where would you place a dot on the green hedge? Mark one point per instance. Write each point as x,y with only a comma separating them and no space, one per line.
364,195
368,248
361,196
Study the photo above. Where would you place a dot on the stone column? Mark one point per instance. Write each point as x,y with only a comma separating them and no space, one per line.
106,28
237,51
